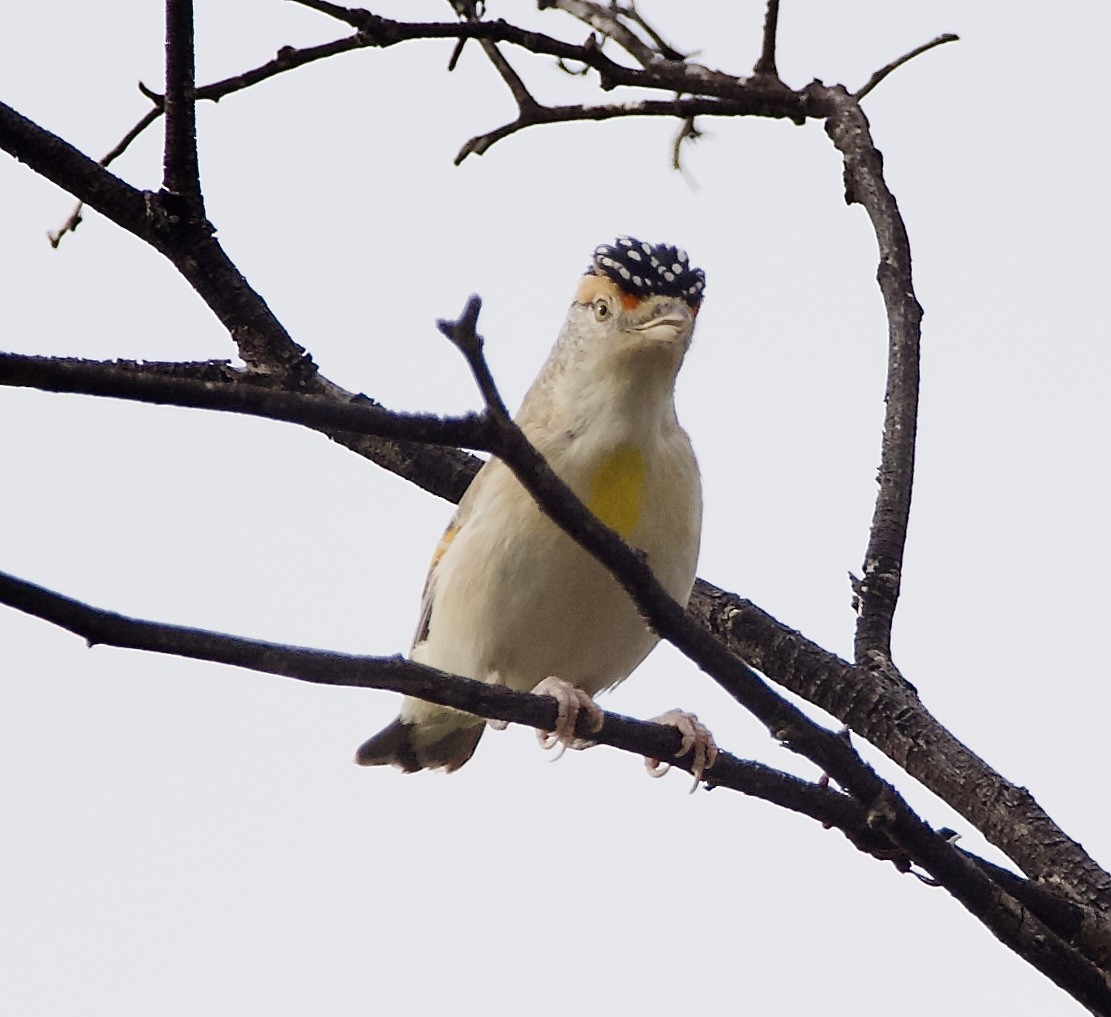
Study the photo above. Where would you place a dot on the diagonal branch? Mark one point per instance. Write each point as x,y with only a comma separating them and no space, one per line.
607,21
187,242
121,146
890,716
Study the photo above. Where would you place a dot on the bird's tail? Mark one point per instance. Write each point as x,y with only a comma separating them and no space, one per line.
444,742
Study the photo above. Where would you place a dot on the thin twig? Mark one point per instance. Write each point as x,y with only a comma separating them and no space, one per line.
468,10
666,50
686,109
121,146
288,58
605,20
883,72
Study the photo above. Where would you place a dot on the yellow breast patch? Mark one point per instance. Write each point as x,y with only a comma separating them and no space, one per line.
617,489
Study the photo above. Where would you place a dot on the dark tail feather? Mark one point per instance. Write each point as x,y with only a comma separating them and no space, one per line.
403,746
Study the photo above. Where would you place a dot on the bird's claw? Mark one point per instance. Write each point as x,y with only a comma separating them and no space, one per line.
696,740
570,701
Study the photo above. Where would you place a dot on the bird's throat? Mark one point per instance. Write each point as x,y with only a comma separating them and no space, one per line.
617,489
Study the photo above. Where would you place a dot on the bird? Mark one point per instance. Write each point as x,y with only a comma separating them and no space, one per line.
510,598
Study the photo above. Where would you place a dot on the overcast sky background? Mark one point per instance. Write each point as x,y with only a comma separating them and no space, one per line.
183,838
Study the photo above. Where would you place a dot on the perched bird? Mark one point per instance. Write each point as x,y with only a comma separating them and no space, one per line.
510,598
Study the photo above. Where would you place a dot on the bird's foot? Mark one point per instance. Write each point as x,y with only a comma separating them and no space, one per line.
696,740
570,700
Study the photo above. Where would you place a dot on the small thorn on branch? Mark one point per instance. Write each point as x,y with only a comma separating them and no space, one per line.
765,66
688,132
456,53
156,97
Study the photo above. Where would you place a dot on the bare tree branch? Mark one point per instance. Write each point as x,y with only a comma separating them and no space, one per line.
871,693
445,473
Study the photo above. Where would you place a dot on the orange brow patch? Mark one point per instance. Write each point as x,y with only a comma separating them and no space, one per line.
594,286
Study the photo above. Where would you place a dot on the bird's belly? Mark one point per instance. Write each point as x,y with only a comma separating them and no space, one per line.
540,606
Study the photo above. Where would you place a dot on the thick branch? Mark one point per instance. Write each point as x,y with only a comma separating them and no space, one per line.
259,399
180,171
891,717
396,674
187,242
759,98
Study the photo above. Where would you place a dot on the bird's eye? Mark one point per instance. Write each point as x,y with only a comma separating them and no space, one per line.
601,310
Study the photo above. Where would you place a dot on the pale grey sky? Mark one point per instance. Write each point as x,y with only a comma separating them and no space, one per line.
183,838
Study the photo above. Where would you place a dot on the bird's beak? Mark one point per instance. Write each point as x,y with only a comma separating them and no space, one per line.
666,328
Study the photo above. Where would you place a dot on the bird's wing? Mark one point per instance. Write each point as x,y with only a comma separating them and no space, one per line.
462,513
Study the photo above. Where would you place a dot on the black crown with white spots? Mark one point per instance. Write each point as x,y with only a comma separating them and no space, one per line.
648,270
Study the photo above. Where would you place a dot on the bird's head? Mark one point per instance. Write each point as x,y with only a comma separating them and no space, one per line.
623,342
637,297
